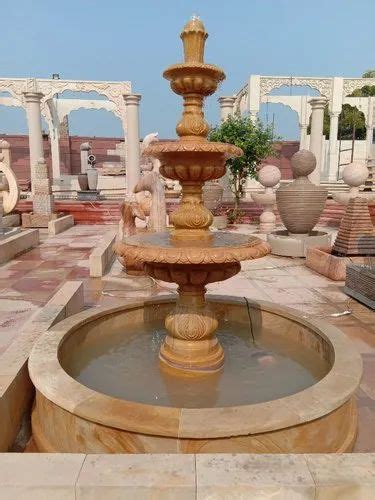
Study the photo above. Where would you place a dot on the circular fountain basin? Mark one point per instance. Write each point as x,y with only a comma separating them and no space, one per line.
287,385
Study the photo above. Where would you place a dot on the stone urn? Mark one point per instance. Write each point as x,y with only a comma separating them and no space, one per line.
301,203
212,195
92,178
83,182
220,221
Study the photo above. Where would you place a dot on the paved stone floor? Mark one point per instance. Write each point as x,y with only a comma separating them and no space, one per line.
29,281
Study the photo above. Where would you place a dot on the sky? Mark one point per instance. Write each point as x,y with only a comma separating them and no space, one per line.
137,40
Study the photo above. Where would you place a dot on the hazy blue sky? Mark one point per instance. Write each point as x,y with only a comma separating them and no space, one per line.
137,40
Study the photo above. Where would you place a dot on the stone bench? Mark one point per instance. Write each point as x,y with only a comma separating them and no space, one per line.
102,256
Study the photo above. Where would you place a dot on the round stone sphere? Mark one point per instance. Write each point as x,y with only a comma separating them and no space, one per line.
303,163
355,174
269,176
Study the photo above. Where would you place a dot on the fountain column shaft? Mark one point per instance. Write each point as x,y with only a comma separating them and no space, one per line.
191,342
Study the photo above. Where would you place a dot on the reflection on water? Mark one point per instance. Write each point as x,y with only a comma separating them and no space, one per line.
214,240
127,366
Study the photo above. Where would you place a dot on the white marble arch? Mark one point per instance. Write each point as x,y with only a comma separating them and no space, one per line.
335,89
49,88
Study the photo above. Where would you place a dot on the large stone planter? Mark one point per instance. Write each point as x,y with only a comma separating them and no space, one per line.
301,202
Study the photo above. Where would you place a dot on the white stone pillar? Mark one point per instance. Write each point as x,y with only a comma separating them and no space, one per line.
370,119
333,153
317,107
254,96
303,135
304,117
34,122
335,107
226,109
133,170
226,106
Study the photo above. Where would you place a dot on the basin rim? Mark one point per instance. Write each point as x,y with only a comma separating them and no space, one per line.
318,400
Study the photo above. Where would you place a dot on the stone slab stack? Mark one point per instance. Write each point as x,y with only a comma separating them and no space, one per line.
43,203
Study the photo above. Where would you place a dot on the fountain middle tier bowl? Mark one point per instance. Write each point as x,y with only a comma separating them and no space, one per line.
193,161
209,248
287,386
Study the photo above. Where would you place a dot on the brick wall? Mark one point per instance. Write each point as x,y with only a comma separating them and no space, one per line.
70,154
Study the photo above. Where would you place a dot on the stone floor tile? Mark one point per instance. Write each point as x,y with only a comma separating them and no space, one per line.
262,476
348,476
137,477
332,292
39,476
289,296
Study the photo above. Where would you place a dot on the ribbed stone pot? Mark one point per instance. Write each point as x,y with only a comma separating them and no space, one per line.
301,203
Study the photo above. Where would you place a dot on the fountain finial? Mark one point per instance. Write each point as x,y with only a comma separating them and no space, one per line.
193,37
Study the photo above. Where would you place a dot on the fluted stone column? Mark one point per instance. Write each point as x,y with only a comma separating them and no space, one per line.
226,109
370,123
34,122
226,106
303,135
333,144
133,170
316,134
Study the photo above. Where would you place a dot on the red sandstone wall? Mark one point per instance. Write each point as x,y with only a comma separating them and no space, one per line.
70,154
70,159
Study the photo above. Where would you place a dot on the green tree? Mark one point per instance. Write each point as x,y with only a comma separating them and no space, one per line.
352,121
370,73
255,139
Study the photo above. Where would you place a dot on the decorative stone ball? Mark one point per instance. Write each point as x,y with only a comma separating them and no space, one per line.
355,174
267,217
4,144
303,163
269,176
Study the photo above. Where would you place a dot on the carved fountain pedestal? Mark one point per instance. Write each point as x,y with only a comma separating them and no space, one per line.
300,205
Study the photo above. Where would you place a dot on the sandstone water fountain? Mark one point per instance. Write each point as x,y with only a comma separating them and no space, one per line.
193,374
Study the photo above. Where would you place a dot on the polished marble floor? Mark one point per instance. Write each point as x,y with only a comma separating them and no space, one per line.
30,280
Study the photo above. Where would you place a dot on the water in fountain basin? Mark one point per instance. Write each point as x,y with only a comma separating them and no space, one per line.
127,367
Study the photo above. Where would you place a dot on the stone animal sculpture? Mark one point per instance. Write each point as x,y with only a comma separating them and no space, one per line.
129,210
152,163
152,183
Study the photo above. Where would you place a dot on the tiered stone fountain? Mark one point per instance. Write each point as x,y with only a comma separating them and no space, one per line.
189,374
